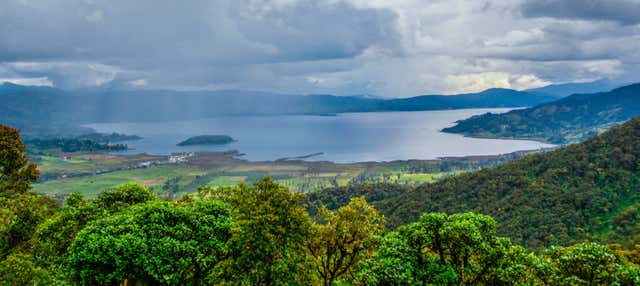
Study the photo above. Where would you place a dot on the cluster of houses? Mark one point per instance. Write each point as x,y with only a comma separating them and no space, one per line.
175,158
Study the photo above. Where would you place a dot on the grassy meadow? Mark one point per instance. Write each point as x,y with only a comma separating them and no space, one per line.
91,173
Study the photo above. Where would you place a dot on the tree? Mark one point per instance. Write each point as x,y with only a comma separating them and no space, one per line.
462,249
20,211
586,264
19,269
153,243
123,196
341,239
267,245
16,174
19,218
393,263
53,238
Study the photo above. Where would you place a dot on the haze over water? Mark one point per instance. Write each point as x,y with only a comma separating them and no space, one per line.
350,137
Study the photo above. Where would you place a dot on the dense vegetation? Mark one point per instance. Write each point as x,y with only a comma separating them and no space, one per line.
333,198
72,145
582,191
570,119
262,235
107,137
207,140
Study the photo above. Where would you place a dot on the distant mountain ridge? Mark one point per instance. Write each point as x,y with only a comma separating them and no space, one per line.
566,89
567,120
493,97
29,106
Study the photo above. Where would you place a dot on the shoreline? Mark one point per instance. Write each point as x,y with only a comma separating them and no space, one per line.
539,140
234,154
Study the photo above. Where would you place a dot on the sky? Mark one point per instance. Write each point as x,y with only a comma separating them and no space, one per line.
385,48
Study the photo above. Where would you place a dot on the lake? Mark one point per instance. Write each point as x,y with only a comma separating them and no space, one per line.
350,137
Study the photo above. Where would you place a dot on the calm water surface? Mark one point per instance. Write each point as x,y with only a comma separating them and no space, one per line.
351,137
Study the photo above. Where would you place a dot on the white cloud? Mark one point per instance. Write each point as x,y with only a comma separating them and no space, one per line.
138,83
526,81
517,37
37,81
481,81
102,74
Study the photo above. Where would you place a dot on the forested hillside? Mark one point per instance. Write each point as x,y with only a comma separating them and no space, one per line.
567,120
583,191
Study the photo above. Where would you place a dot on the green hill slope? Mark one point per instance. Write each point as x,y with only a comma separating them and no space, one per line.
589,190
571,119
582,191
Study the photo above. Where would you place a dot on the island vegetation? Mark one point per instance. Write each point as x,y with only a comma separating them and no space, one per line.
207,140
108,137
86,142
261,234
68,145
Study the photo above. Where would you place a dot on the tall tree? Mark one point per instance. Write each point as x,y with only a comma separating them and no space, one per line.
157,243
16,174
341,239
267,246
462,249
53,237
585,264
20,211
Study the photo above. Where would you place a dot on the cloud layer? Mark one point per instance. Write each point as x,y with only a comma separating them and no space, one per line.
388,48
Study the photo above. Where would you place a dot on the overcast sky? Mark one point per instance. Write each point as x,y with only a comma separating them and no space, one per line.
382,47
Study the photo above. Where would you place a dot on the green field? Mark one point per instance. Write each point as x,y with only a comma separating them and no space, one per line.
89,174
90,185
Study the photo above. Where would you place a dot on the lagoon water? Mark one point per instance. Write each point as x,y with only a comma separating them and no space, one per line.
351,137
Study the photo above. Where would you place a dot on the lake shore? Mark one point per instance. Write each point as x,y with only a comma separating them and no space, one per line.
182,173
344,138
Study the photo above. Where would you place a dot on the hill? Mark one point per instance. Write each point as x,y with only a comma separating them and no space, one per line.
567,120
582,191
566,89
26,107
494,97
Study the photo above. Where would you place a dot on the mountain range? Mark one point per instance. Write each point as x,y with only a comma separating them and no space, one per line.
566,89
29,107
570,119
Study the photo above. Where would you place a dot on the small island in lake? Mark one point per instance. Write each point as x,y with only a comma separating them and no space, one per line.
207,140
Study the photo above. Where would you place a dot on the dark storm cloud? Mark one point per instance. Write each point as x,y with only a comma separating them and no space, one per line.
626,12
388,48
313,30
195,37
217,32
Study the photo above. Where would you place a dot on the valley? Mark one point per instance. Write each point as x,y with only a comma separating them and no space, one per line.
179,174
